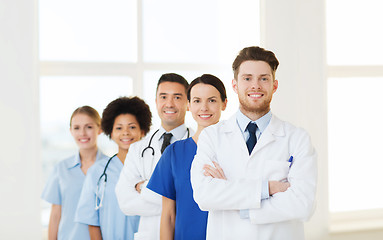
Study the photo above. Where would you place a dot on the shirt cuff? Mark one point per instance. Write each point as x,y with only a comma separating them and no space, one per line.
244,213
265,190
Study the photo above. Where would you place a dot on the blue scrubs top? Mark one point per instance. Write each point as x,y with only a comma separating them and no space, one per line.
64,188
171,179
113,223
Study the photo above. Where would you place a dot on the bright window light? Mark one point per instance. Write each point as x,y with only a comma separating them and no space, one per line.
88,30
353,32
355,149
198,31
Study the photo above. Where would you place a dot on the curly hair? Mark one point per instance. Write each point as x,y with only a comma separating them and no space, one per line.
125,105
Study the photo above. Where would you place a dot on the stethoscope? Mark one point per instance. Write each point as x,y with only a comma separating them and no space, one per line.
105,180
150,142
98,206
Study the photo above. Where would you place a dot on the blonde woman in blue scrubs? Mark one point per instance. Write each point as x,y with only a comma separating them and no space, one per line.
64,186
125,121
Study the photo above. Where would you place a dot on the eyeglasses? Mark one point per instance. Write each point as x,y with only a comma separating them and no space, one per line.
99,205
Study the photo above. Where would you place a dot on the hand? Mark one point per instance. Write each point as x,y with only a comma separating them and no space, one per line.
216,172
138,186
275,187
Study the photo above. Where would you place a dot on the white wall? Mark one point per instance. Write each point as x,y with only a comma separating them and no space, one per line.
20,184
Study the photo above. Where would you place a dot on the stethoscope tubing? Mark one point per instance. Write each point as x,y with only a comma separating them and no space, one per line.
149,145
105,180
150,142
151,148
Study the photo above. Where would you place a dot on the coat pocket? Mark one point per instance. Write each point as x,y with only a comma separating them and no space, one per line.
276,170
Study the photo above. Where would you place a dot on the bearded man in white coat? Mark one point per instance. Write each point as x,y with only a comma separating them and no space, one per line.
132,195
254,173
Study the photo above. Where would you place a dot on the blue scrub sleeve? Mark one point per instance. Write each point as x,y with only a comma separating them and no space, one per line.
162,181
86,212
52,191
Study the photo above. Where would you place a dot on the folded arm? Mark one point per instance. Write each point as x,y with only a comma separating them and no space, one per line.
273,187
297,203
212,193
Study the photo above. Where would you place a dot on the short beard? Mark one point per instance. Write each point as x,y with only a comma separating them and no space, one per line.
255,111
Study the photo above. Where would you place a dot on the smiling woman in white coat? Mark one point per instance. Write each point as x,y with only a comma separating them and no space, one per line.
256,182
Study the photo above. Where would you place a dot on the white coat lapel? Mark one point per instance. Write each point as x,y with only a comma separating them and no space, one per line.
233,132
274,129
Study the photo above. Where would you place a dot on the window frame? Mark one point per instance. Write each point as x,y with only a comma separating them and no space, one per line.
359,220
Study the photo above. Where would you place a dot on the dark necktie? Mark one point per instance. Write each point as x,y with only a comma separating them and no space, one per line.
166,142
251,127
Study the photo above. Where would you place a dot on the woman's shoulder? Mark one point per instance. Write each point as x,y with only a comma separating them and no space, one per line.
101,163
98,167
181,147
182,144
67,162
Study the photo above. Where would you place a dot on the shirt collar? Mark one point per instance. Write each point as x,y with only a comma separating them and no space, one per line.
178,132
243,121
76,161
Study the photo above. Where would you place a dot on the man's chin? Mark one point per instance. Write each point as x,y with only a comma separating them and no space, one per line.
256,109
171,122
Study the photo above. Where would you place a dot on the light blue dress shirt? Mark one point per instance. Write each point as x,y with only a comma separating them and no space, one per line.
262,123
114,224
64,188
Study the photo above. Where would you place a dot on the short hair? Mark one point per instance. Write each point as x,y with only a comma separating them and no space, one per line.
210,80
87,110
173,77
255,54
125,105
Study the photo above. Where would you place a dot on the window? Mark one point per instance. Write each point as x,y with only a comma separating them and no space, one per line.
354,113
92,52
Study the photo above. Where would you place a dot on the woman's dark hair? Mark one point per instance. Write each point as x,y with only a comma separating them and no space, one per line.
210,80
124,105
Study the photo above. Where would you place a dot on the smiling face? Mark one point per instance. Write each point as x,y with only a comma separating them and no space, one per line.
126,130
255,87
84,131
205,104
171,103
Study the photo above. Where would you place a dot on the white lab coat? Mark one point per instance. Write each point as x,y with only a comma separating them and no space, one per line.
279,217
148,204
